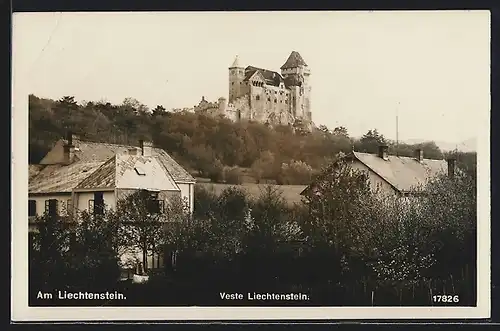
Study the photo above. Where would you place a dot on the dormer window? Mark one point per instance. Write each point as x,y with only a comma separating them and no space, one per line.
140,171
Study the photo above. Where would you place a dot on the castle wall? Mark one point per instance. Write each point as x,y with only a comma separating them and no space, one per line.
268,100
240,109
267,103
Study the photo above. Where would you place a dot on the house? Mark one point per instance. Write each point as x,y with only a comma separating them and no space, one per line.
395,175
78,175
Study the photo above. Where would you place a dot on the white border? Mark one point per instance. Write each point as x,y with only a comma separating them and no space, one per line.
19,277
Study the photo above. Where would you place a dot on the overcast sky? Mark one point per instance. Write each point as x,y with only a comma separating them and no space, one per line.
436,65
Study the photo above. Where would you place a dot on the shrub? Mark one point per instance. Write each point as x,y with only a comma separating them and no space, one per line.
233,175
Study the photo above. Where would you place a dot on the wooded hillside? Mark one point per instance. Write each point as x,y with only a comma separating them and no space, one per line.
214,148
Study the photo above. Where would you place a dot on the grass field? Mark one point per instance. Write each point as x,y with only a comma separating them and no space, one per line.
291,193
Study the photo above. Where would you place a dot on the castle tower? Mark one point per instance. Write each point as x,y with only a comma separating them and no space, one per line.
296,72
222,106
236,77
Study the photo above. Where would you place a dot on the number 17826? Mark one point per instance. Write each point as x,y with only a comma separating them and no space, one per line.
446,298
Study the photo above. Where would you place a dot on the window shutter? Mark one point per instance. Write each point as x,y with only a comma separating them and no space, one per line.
69,207
91,206
47,206
161,205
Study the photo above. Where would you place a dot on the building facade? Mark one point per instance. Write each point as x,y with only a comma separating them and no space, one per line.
266,96
396,176
77,175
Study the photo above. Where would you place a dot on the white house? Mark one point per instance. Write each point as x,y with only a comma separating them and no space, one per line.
78,175
395,175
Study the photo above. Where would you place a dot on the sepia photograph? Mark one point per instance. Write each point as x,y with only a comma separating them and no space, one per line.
251,165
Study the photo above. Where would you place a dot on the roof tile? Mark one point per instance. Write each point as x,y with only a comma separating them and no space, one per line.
293,61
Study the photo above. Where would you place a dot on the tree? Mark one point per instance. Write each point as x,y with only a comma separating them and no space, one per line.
96,249
159,110
143,220
340,131
295,173
370,142
228,223
48,258
269,223
262,168
324,129
135,106
334,200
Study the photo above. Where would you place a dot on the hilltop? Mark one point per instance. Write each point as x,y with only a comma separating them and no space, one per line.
214,148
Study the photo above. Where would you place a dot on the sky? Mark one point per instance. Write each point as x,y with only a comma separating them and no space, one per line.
431,69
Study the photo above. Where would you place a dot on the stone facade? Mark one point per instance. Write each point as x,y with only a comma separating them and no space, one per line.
266,96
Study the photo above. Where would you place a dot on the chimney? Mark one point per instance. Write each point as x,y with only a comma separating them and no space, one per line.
69,138
141,146
147,148
419,155
382,151
68,149
451,167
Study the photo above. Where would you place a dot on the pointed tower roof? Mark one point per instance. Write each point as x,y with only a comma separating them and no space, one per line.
294,60
236,63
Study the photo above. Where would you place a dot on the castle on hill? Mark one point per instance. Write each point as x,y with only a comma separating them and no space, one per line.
265,96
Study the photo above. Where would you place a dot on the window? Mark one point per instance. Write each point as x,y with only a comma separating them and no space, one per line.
140,171
275,100
232,83
96,206
31,207
286,101
154,204
257,97
51,207
269,99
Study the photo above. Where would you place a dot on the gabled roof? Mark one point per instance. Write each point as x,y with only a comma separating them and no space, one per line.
103,177
121,172
294,60
271,77
60,178
87,151
404,174
95,167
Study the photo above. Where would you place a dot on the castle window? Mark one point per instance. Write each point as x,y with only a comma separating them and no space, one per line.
232,83
286,101
275,101
257,97
269,99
